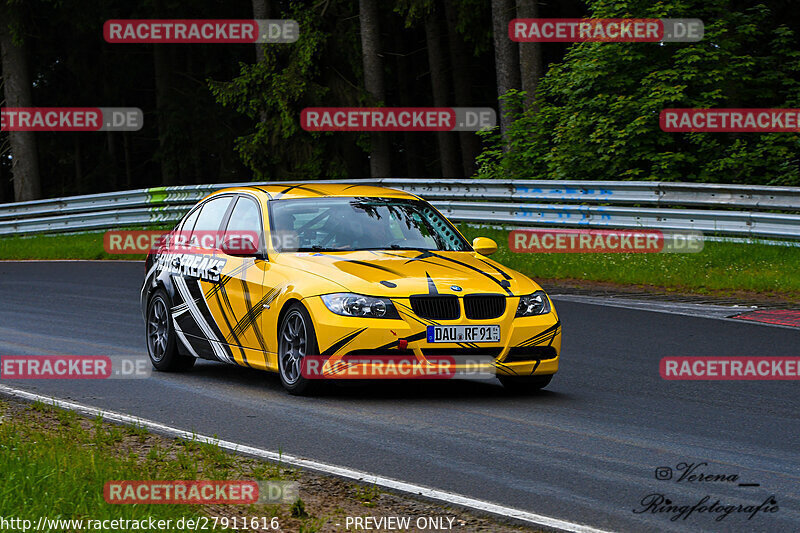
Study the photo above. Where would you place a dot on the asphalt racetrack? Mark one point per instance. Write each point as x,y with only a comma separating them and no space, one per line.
585,450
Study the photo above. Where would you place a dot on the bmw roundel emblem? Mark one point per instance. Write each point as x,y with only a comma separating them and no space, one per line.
455,288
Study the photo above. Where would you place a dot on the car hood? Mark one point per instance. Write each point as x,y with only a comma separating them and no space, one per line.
402,273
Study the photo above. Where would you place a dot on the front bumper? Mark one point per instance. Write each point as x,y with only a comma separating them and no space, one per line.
528,345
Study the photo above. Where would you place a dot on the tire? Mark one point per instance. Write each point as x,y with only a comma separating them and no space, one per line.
162,343
296,339
525,383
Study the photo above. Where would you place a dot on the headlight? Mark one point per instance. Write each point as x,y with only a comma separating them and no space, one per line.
347,304
533,304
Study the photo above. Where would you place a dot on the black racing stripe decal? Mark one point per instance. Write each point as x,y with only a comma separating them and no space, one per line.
248,304
194,342
254,312
189,326
539,338
431,285
410,313
504,283
500,270
222,298
300,187
284,191
370,265
196,292
262,190
410,260
248,301
361,263
438,264
225,278
341,342
200,344
185,321
550,343
505,366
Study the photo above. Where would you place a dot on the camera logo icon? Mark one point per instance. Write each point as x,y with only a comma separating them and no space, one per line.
663,473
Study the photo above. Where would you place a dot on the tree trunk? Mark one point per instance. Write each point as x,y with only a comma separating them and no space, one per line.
459,61
412,140
261,10
163,74
506,55
17,88
380,158
448,147
530,54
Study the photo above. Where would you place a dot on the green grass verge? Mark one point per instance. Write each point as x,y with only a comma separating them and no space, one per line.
60,472
720,267
62,246
55,463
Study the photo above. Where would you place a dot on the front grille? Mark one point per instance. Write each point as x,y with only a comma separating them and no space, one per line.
484,306
530,353
436,307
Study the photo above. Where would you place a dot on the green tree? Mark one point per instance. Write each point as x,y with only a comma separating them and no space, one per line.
599,109
317,70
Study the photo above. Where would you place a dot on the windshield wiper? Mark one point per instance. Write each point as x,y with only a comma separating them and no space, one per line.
317,248
420,248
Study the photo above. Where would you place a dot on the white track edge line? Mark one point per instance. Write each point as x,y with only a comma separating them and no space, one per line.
390,483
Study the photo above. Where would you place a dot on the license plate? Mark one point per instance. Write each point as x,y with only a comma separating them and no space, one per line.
463,333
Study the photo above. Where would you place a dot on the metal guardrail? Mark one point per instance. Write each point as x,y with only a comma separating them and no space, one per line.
657,193
594,204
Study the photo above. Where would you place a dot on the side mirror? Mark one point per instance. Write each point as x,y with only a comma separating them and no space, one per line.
484,245
239,246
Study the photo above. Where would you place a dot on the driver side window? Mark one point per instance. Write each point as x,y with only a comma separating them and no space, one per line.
245,225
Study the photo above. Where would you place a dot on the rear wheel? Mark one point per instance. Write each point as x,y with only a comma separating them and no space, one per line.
296,340
162,346
525,383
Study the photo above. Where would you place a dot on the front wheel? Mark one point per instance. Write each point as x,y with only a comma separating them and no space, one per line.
296,339
525,383
162,347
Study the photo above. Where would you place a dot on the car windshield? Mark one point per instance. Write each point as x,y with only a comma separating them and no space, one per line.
347,224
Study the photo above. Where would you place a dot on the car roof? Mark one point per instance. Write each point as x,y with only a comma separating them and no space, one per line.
289,191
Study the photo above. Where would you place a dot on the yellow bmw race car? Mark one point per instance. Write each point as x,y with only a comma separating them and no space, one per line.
340,272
